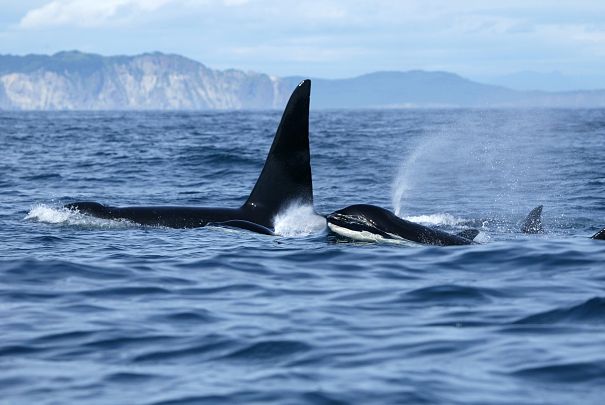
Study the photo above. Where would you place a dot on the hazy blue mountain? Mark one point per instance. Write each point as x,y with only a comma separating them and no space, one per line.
75,80
405,89
550,81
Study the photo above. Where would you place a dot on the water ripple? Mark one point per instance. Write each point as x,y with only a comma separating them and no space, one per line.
566,374
591,311
97,311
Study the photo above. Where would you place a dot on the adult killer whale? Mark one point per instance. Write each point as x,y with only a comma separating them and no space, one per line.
285,178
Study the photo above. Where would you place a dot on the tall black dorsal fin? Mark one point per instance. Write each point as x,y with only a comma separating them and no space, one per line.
533,222
286,176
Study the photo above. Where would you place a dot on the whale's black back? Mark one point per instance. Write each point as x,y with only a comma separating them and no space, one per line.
286,176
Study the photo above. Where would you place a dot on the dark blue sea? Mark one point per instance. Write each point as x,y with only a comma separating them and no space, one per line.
106,312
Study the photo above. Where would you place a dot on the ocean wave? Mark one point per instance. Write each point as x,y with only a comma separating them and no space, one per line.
269,350
566,373
450,293
591,311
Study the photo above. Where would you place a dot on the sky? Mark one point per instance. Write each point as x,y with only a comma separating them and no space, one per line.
324,38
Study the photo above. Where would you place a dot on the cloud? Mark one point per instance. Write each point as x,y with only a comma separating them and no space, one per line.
86,13
235,2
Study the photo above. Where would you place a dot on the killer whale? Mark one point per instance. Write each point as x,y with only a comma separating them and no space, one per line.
533,224
369,222
600,235
284,179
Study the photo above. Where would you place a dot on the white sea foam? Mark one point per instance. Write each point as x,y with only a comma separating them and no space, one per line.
436,219
298,220
49,215
54,215
482,237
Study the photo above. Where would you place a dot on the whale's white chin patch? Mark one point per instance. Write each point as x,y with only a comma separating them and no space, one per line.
365,236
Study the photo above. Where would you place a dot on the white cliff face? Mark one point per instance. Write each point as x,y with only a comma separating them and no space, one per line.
37,91
73,81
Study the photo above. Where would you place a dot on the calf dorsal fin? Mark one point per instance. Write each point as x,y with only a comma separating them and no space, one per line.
533,222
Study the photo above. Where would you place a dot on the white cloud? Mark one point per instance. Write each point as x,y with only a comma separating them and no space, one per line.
86,13
98,13
235,2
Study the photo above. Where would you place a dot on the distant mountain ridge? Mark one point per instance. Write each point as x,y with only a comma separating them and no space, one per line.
553,81
155,81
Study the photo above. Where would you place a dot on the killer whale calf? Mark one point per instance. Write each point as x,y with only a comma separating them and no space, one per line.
284,179
370,223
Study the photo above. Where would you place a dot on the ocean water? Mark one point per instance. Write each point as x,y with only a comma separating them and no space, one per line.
106,312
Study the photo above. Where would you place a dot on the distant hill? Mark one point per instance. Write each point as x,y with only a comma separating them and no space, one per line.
156,81
406,89
546,81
